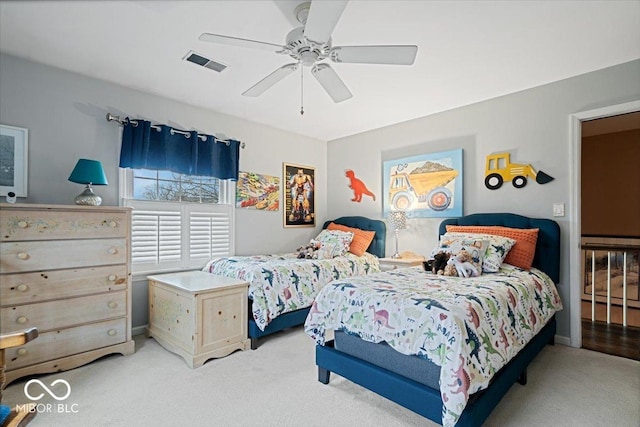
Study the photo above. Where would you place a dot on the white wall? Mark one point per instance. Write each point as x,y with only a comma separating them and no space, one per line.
65,114
533,125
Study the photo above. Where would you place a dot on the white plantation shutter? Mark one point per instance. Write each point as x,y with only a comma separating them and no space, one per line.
209,233
178,235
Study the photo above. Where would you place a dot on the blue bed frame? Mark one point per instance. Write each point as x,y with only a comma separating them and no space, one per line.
427,401
295,318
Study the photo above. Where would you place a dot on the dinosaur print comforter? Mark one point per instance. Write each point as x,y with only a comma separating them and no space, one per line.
283,283
469,327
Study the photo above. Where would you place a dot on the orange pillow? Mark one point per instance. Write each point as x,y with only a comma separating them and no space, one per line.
361,238
521,254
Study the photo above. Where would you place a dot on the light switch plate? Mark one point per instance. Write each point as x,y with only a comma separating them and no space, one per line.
558,209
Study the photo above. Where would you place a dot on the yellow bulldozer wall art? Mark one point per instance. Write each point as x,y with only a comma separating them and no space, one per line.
425,186
499,169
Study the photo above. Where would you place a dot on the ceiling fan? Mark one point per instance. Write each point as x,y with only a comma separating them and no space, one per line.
310,44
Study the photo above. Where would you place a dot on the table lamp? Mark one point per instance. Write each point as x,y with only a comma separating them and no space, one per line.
88,172
398,220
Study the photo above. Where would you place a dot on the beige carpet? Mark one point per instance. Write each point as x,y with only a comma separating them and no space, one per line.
277,385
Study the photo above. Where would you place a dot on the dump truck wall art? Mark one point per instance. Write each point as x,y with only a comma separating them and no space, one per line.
428,186
425,185
499,170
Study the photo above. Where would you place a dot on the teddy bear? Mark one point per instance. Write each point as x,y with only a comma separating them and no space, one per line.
310,251
438,263
461,265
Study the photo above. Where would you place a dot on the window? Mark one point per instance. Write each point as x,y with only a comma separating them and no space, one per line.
179,221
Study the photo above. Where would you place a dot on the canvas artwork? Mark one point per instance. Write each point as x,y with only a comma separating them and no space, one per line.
257,191
13,160
299,200
425,186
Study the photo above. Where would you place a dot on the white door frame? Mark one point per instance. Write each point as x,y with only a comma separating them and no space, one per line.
574,238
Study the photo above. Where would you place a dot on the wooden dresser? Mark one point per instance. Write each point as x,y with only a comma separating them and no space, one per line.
66,270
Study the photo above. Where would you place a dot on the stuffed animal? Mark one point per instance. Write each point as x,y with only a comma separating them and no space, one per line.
461,265
310,251
438,263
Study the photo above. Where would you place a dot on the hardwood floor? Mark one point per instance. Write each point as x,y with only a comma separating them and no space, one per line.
611,339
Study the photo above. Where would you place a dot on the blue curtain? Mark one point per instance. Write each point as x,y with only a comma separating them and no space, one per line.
144,147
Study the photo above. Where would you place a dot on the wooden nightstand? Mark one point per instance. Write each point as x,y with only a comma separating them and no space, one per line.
387,264
198,315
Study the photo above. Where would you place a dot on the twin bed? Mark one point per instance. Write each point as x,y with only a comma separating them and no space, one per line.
446,348
282,287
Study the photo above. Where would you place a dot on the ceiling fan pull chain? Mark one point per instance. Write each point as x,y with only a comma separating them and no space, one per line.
301,91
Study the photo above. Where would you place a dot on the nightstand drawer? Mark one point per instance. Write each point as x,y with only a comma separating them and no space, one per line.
55,254
63,313
65,342
52,225
24,288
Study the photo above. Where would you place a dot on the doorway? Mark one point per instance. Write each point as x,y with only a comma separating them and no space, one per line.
610,234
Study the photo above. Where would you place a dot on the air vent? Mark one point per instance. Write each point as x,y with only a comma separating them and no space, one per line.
198,59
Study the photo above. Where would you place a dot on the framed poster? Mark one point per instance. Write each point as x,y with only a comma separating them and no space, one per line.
425,186
299,197
13,160
257,191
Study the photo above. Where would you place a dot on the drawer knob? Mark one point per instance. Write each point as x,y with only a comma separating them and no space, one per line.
113,304
23,256
22,352
112,332
22,287
112,224
113,251
112,277
22,320
23,224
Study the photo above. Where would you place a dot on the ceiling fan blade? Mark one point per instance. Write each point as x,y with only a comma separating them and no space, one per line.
235,41
331,82
273,78
390,54
322,19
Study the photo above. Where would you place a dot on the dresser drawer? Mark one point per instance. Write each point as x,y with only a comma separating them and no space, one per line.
63,313
60,224
25,288
18,257
66,342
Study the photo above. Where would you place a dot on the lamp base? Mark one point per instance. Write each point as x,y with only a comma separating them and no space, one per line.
396,256
88,198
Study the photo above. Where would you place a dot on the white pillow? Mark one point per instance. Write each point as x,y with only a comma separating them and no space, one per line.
333,243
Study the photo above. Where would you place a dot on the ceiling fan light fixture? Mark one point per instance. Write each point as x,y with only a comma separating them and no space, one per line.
310,44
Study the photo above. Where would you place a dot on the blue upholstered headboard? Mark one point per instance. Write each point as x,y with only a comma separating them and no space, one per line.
547,257
377,246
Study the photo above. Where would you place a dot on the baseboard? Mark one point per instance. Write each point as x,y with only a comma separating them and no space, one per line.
138,330
559,339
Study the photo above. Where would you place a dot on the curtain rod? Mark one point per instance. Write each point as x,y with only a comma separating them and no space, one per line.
112,118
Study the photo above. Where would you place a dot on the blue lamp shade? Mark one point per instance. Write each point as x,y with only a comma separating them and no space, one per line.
88,172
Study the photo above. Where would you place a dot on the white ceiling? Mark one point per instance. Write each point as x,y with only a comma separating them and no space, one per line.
467,52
